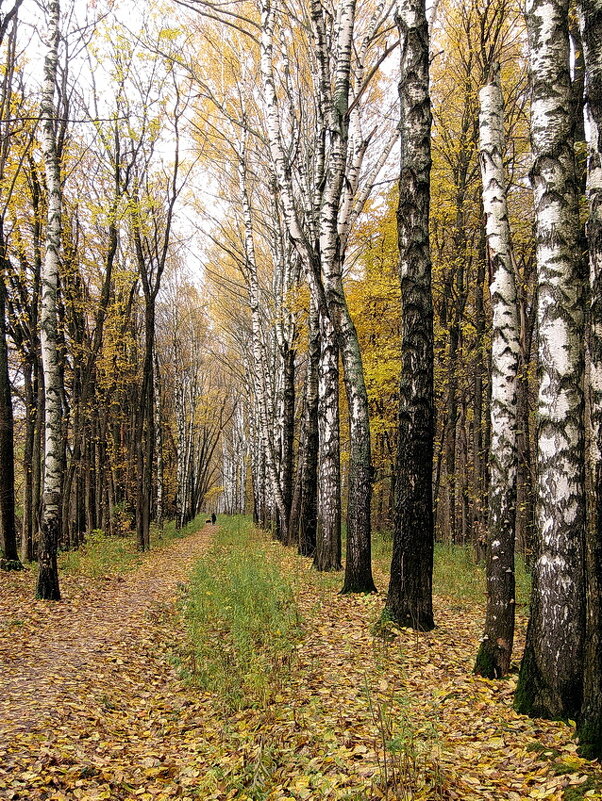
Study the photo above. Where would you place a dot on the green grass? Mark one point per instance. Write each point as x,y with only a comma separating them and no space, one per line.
456,573
101,555
241,618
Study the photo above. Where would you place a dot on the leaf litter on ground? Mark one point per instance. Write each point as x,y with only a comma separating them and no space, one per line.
93,705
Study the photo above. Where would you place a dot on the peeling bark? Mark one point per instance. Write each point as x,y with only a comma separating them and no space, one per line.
328,544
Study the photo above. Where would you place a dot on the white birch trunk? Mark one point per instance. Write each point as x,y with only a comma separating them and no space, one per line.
495,652
261,372
550,681
327,555
48,584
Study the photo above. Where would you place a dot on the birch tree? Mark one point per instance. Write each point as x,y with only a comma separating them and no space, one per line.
409,600
48,582
493,659
551,673
589,726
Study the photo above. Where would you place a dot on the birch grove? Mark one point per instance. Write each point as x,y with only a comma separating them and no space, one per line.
318,262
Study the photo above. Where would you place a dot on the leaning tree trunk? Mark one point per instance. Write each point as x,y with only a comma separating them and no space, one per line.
551,674
48,581
409,600
493,658
589,726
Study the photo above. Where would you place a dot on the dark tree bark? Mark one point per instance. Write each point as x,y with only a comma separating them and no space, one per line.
288,436
479,460
9,558
409,600
308,519
589,724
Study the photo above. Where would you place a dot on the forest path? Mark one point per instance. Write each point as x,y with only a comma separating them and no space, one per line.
93,708
85,685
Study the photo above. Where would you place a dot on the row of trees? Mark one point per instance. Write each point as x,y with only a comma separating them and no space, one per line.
353,230
112,405
303,126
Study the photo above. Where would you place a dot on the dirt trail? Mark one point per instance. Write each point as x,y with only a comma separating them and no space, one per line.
92,707
98,655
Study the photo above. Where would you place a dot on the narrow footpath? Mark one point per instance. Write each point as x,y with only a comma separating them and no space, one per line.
86,691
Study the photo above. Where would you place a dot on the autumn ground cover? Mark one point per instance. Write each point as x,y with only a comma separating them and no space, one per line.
107,695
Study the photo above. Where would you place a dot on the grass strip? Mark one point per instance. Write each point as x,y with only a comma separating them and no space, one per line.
241,617
103,555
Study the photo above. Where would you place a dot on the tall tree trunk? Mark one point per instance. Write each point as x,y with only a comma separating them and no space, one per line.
358,566
308,522
288,435
145,431
358,554
28,449
48,580
409,600
589,726
478,454
9,558
495,652
328,544
551,675
159,446
525,500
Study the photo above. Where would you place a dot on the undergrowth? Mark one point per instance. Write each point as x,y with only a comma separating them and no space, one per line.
241,618
102,555
456,572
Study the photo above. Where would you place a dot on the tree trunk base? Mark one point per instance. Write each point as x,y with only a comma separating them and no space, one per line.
11,564
490,662
327,567
358,585
48,585
419,620
537,699
589,733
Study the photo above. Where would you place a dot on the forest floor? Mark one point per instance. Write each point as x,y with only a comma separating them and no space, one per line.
93,703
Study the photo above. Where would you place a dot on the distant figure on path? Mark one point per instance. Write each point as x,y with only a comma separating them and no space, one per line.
213,518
